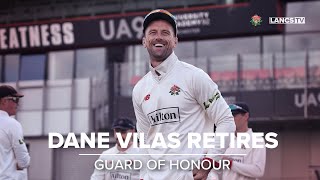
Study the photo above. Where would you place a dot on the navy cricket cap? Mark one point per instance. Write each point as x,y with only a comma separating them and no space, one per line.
6,90
239,107
123,123
160,14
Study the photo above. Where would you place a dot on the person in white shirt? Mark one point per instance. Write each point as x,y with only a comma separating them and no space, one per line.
123,126
250,166
14,156
176,97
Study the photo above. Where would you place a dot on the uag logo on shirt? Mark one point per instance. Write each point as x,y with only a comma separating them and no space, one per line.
165,115
120,176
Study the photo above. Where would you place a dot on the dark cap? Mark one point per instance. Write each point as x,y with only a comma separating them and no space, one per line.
6,90
123,123
160,14
239,107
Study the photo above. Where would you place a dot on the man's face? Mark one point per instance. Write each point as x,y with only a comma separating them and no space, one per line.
123,134
10,105
240,119
159,40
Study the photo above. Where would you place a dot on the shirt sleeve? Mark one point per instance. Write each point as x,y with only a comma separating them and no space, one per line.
254,169
210,99
143,125
98,174
19,147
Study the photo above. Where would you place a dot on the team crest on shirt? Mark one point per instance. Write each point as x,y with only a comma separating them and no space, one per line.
174,90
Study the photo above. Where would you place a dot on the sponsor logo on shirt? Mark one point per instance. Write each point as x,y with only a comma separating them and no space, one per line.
174,90
213,98
120,176
239,159
243,147
21,141
164,115
147,97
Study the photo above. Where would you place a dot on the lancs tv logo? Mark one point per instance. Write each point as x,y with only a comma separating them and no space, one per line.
164,115
287,20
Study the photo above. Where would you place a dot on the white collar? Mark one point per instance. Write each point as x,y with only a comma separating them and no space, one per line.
127,151
164,67
3,113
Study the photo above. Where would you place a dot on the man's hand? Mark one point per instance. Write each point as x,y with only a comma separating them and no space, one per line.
229,159
19,168
202,173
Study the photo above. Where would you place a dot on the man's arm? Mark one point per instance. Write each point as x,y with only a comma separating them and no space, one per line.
99,174
209,98
254,169
143,124
218,111
19,147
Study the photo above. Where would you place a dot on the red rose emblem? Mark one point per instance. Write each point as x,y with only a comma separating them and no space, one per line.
256,18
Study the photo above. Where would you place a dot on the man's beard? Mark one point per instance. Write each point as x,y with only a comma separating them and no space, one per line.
159,57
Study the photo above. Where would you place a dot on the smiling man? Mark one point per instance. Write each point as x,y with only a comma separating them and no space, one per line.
14,156
176,97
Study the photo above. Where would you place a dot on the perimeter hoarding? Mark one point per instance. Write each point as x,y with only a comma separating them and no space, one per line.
193,23
281,103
